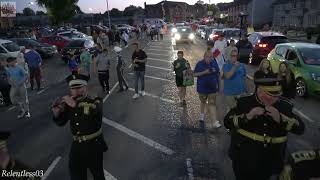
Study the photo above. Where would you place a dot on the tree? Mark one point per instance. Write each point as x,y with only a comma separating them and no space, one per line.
28,12
59,10
213,8
40,13
115,12
78,10
132,10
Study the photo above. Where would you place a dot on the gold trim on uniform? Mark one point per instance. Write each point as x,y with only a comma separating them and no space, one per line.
86,107
264,138
286,173
291,121
303,155
271,88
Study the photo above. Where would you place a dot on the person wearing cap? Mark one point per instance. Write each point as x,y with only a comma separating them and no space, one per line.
259,125
120,67
84,114
18,93
101,65
302,165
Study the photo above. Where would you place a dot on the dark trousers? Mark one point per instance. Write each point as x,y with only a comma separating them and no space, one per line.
139,77
5,91
35,73
104,79
82,159
121,79
161,36
242,173
151,35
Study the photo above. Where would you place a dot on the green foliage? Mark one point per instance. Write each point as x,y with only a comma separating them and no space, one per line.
213,8
59,10
28,12
40,13
133,10
115,12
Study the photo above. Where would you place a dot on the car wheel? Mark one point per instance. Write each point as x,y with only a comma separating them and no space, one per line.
301,88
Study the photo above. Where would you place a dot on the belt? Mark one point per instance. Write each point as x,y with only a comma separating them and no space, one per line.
87,137
264,139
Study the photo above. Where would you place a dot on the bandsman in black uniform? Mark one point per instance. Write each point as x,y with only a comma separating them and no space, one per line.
85,116
302,165
259,125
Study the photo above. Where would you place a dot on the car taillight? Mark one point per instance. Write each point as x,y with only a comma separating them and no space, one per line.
262,45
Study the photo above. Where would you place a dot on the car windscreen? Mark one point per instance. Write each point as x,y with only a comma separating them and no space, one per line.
274,40
75,44
11,46
184,30
232,33
310,56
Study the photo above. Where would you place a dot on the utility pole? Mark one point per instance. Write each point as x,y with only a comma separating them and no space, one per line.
108,14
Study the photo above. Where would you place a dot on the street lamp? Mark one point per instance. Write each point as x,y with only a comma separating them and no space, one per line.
108,14
91,10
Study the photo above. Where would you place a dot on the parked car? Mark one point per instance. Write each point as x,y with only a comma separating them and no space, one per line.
304,62
45,50
74,35
214,34
263,43
77,45
59,41
231,33
184,34
8,49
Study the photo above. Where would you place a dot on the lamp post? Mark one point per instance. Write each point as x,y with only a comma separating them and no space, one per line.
108,14
90,9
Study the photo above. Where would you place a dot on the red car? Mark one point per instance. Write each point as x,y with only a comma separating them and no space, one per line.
59,41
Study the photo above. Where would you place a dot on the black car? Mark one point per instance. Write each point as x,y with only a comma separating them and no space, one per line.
45,50
77,45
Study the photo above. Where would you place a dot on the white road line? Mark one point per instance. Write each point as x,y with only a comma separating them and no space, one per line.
10,109
152,77
158,54
156,97
43,90
108,176
294,109
138,136
161,60
50,168
156,67
113,88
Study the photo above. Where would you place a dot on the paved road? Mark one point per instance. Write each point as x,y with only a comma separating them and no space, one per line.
148,138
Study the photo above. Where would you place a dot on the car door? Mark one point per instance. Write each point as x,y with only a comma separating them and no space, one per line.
292,59
277,56
3,52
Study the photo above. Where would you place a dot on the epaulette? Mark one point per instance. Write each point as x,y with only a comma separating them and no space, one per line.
244,95
97,99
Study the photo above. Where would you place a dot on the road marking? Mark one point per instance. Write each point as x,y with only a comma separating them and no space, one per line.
162,50
42,90
161,60
152,77
156,67
138,136
50,168
10,109
108,176
294,109
156,97
158,54
107,96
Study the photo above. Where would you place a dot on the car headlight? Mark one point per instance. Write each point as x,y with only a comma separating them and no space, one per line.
315,77
177,36
191,36
174,30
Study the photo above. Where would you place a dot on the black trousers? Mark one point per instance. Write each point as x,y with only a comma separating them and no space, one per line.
35,73
5,91
83,157
242,173
121,79
104,79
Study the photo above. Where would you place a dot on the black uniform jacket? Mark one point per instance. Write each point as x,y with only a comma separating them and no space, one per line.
255,153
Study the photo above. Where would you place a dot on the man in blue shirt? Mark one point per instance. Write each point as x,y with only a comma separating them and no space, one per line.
18,93
34,61
234,75
207,71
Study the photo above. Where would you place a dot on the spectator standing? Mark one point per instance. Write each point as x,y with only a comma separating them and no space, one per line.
264,70
120,68
125,38
139,59
117,37
287,81
34,61
207,71
103,40
161,32
18,93
229,49
21,61
73,63
219,47
102,67
234,75
85,62
179,66
4,84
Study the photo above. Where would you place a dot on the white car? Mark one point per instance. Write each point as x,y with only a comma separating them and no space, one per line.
74,35
8,49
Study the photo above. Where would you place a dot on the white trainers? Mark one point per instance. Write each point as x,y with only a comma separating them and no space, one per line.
143,93
216,125
27,115
135,96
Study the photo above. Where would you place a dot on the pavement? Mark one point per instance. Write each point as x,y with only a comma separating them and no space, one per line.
151,138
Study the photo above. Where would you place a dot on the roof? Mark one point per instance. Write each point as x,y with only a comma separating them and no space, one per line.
302,45
167,2
268,33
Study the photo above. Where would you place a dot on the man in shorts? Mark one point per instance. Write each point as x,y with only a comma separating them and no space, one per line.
179,66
